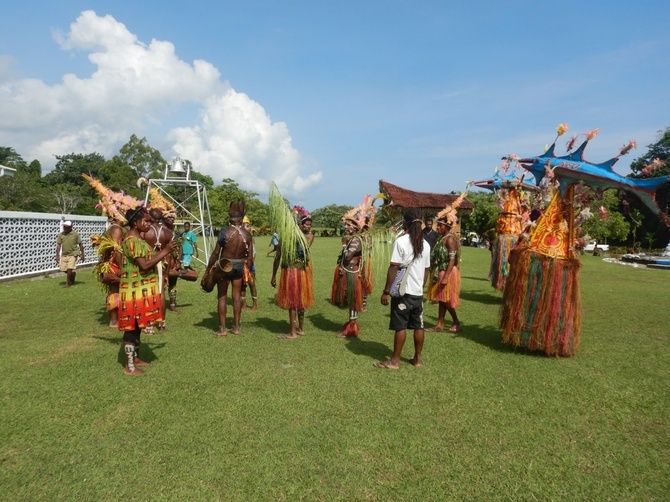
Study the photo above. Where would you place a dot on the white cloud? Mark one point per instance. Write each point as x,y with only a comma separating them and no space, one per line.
135,86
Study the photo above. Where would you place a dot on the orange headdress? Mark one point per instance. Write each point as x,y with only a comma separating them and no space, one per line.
157,201
449,214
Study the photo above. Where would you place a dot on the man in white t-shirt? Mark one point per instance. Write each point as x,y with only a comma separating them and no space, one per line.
411,252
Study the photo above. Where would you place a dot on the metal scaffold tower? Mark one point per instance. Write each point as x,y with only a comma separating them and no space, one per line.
190,201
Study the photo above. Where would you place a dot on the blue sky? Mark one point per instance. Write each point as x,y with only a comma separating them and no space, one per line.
326,98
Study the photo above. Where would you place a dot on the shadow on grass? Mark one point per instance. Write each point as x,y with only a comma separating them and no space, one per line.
486,298
327,325
488,336
374,350
277,326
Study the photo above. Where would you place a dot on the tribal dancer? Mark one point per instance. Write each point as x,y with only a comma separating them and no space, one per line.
444,284
160,233
139,289
226,265
352,280
296,288
114,206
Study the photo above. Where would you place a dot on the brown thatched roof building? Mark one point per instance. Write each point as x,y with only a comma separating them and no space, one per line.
401,198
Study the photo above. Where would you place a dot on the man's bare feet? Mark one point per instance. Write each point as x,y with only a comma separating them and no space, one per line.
455,328
387,365
416,362
435,329
300,332
221,333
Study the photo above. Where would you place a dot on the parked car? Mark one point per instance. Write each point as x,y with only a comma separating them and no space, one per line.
591,246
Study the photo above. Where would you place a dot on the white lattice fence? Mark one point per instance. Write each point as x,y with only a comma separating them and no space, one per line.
28,241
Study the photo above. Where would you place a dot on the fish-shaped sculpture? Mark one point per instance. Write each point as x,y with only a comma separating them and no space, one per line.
506,180
572,169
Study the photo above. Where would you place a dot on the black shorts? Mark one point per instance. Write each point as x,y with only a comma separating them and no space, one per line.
406,312
237,271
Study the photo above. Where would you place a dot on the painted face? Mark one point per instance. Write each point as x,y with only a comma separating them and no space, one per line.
247,226
442,227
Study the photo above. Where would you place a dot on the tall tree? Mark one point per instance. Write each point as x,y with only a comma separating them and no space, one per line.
329,216
482,219
221,196
142,157
10,158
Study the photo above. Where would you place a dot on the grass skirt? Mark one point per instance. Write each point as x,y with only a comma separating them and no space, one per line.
296,288
347,289
499,260
448,293
541,303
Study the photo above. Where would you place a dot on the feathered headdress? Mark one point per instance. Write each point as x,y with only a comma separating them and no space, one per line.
157,201
301,214
363,215
449,214
113,204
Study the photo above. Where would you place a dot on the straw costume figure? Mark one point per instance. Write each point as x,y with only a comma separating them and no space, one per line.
541,302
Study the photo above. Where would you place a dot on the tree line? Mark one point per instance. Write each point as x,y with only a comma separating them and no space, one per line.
63,190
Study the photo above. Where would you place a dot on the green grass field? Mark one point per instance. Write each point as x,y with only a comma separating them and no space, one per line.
252,417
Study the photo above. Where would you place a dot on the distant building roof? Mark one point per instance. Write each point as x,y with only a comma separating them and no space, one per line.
404,198
6,171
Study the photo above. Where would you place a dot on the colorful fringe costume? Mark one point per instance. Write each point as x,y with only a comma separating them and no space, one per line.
541,303
139,292
508,227
448,293
296,286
